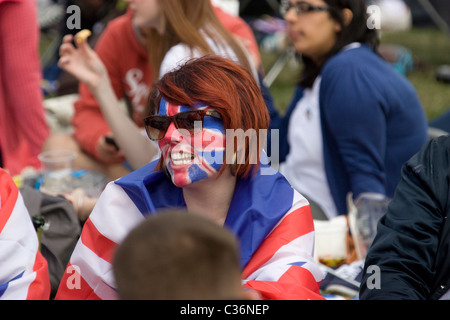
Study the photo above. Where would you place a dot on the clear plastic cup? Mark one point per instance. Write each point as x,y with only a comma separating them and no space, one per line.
368,210
57,168
331,241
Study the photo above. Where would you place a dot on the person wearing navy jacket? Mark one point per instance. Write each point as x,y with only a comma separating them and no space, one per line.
353,120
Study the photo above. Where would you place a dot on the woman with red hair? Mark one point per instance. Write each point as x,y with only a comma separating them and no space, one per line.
135,50
196,111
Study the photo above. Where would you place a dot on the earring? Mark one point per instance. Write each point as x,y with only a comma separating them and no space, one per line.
233,165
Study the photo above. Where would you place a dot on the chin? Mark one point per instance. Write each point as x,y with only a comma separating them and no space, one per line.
180,184
139,22
299,48
180,180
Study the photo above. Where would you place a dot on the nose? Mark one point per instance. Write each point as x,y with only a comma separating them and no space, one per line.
290,15
172,134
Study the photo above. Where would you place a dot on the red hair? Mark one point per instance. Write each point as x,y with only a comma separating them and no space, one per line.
228,88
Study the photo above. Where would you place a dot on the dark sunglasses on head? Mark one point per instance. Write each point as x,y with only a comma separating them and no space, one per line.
156,125
300,7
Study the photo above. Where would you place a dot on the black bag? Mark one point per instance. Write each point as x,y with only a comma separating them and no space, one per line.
60,232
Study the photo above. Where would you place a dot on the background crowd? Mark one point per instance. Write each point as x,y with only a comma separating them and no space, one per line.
356,130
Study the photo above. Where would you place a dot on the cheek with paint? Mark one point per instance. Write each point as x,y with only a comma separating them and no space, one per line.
209,150
193,158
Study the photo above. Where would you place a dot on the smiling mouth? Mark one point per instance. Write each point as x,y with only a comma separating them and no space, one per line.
181,158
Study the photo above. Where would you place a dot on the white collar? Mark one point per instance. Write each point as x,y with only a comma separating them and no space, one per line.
352,45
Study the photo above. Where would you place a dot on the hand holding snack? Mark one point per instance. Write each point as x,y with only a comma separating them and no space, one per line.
81,61
82,35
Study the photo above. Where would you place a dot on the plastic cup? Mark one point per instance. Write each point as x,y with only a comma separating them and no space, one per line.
368,210
331,241
57,168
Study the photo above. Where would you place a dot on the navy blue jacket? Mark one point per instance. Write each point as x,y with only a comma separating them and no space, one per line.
372,122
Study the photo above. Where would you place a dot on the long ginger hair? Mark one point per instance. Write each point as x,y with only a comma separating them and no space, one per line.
182,21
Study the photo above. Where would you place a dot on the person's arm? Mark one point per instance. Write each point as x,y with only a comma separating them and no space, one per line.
88,122
90,126
85,64
23,116
354,118
407,238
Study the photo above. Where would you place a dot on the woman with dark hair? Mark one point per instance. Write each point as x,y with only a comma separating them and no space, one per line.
353,120
196,107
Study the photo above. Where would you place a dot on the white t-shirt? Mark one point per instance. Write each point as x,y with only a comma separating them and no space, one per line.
304,165
181,53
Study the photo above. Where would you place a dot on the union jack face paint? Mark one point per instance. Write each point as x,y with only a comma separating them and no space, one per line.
192,157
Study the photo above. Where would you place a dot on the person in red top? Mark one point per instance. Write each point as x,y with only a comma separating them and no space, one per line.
23,128
127,62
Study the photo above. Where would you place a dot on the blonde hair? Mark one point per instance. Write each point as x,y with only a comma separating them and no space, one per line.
182,20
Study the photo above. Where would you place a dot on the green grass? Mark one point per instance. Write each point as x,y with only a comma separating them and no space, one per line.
283,87
429,47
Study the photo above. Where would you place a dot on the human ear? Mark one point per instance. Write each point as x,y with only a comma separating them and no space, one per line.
347,16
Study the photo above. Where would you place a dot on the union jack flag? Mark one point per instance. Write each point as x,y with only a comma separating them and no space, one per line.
23,270
271,220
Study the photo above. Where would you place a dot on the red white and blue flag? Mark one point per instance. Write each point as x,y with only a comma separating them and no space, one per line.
271,220
23,270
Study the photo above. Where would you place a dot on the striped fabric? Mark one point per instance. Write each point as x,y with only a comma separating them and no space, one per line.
282,267
23,270
271,220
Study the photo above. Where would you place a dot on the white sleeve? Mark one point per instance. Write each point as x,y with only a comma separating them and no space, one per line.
181,53
175,57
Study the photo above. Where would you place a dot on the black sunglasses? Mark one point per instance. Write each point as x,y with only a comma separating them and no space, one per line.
300,7
156,126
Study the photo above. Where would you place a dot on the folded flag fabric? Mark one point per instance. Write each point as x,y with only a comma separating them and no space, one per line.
23,270
271,220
